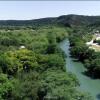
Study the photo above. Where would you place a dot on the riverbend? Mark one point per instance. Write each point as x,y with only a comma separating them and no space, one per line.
87,84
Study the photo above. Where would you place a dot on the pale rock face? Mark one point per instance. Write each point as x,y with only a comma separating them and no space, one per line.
92,45
89,43
98,38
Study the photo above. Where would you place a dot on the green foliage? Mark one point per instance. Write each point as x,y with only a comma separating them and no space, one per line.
61,86
38,70
18,61
89,57
6,87
97,41
26,86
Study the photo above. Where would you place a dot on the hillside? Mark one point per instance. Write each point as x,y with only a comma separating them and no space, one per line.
78,19
67,20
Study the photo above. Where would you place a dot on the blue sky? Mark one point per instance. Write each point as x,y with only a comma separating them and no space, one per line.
40,9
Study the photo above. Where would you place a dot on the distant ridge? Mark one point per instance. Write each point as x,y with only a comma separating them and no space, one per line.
67,20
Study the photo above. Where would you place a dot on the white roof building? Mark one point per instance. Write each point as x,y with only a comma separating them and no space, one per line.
22,47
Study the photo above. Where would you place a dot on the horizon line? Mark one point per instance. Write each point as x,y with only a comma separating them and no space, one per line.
48,17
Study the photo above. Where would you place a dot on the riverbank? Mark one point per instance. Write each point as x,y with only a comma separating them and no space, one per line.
87,84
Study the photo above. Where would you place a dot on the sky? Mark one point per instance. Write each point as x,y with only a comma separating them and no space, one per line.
26,10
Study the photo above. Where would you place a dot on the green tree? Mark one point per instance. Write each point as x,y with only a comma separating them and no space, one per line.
26,86
6,87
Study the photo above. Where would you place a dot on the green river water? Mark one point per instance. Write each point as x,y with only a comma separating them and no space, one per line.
87,84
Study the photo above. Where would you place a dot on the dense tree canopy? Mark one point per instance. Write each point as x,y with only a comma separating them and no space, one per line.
37,71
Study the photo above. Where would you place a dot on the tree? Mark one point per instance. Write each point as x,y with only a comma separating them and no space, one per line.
26,86
60,86
52,43
6,87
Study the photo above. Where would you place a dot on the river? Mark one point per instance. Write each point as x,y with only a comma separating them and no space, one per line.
87,84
